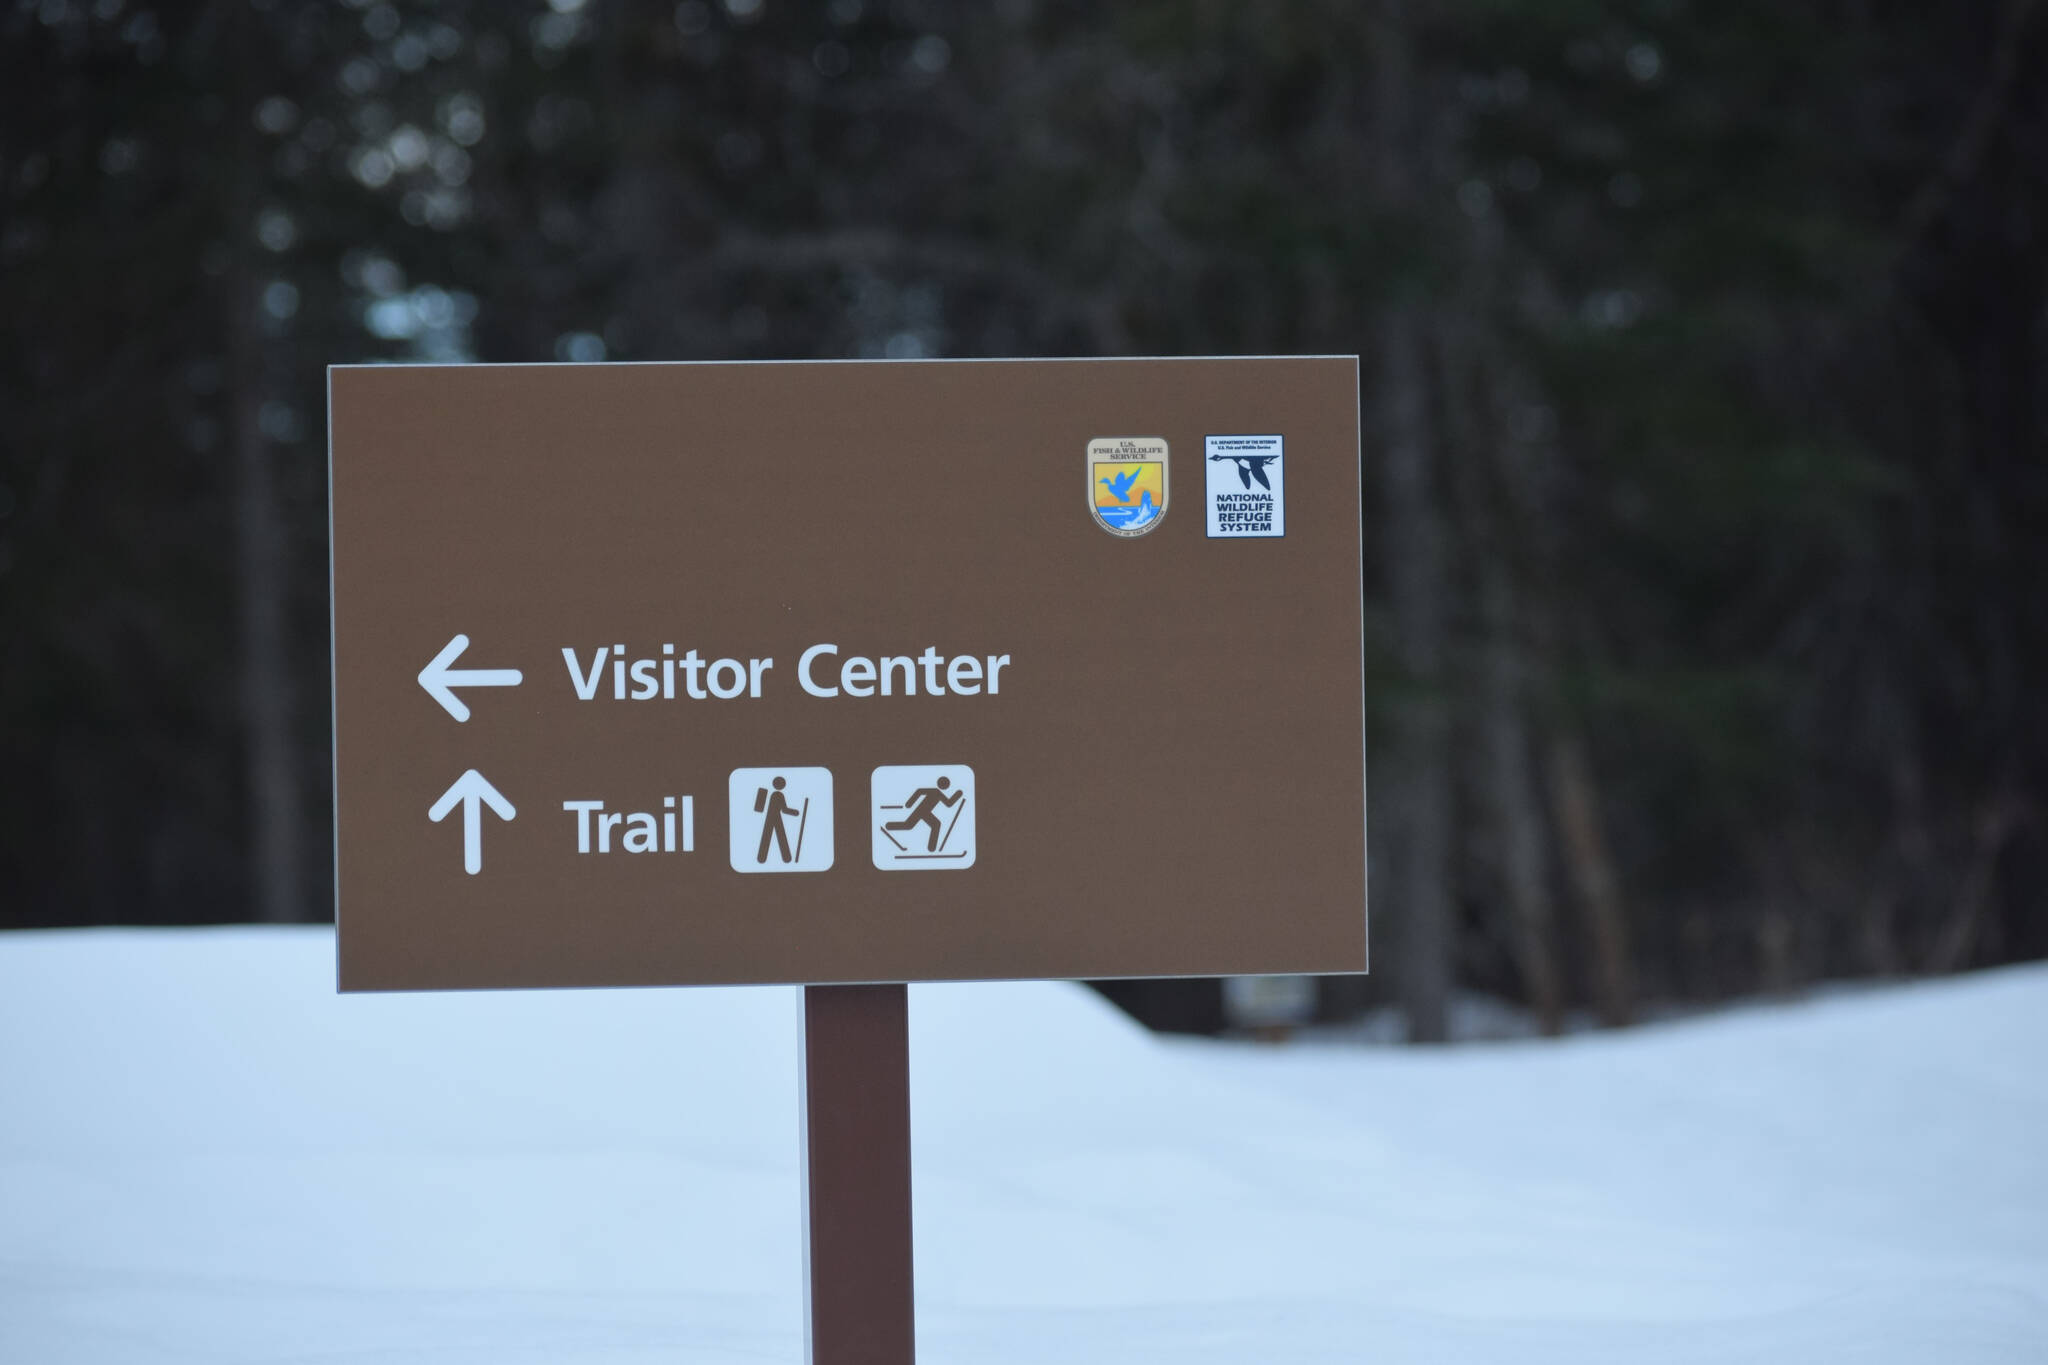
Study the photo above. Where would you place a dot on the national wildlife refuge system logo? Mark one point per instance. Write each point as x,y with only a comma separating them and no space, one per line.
1127,483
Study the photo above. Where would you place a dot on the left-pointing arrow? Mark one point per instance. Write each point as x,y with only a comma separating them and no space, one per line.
441,680
472,793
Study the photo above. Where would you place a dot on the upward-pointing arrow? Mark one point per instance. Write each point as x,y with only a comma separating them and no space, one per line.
441,681
473,792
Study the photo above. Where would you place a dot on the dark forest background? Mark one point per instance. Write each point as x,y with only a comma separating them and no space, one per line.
1707,509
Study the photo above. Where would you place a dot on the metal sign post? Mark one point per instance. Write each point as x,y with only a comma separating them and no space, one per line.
856,1166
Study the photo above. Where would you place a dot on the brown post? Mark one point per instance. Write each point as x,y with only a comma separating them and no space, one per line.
856,1138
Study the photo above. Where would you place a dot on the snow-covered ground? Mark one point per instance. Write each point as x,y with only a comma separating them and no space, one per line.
208,1156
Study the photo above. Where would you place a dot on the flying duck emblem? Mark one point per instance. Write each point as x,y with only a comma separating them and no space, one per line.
1127,484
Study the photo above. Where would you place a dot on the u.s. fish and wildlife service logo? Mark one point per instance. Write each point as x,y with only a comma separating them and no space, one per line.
1127,483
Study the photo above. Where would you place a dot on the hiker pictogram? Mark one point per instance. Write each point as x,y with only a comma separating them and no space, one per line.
780,819
923,817
775,812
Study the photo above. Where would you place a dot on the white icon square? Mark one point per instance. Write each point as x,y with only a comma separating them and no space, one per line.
922,817
780,819
1246,478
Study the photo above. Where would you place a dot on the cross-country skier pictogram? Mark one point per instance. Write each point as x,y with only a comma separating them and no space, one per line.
924,817
924,807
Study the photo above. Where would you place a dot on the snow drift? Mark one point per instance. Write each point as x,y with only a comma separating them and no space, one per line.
205,1154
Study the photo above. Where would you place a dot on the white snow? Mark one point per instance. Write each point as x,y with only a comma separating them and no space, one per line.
208,1156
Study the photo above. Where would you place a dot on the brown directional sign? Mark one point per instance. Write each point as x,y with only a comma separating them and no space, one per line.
846,672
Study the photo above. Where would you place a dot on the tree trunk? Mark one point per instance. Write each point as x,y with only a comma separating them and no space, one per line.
276,807
1474,388
1526,460
1420,880
276,814
1592,873
1510,784
1419,767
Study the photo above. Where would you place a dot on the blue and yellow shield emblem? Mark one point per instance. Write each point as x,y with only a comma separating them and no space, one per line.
1127,483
